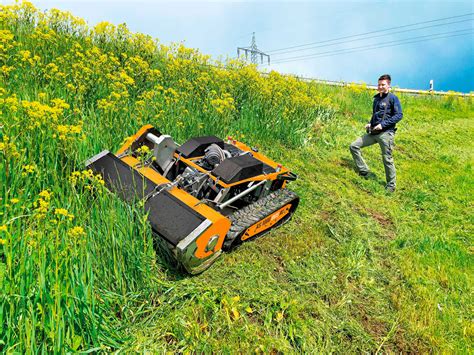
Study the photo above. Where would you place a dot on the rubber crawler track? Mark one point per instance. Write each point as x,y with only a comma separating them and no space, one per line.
251,214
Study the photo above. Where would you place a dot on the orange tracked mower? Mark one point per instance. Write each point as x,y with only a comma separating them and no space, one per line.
202,197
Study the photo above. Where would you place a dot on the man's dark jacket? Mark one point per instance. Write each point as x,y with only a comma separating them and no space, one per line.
389,106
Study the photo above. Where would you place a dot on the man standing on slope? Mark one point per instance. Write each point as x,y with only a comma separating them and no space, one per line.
386,112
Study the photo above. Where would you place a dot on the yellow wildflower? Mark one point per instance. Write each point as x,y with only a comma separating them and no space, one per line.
104,28
6,69
76,232
28,169
60,103
9,149
86,176
45,194
235,313
3,228
74,177
143,150
25,55
65,132
42,206
6,36
99,179
127,80
63,212
224,104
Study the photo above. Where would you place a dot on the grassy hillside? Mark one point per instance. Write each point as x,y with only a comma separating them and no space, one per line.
356,269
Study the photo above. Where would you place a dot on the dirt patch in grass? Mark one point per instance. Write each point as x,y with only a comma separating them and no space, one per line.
409,346
325,216
379,217
385,222
345,163
280,265
375,327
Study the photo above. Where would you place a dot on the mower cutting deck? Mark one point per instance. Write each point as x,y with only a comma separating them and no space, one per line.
202,197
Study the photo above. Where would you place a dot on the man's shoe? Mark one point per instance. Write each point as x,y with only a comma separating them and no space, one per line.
364,174
390,189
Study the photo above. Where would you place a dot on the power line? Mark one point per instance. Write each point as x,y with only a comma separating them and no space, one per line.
367,46
371,37
367,33
370,47
375,46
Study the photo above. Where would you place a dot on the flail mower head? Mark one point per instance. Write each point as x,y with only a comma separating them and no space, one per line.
202,197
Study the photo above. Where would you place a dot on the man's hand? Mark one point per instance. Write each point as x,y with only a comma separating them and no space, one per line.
367,126
377,128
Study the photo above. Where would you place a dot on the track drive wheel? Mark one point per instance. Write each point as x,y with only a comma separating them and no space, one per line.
260,217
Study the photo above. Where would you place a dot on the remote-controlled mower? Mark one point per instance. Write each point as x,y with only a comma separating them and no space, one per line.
202,197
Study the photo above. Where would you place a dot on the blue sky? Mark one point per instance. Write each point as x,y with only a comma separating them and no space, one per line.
219,27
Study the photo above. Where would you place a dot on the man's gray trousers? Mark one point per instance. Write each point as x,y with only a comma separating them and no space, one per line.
385,141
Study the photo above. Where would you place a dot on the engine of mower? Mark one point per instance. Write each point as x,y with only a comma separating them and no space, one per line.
203,196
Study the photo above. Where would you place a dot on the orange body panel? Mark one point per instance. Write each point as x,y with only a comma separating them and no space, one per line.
267,222
220,224
131,139
219,228
259,156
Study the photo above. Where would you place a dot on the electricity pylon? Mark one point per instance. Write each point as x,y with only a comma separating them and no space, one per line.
254,52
